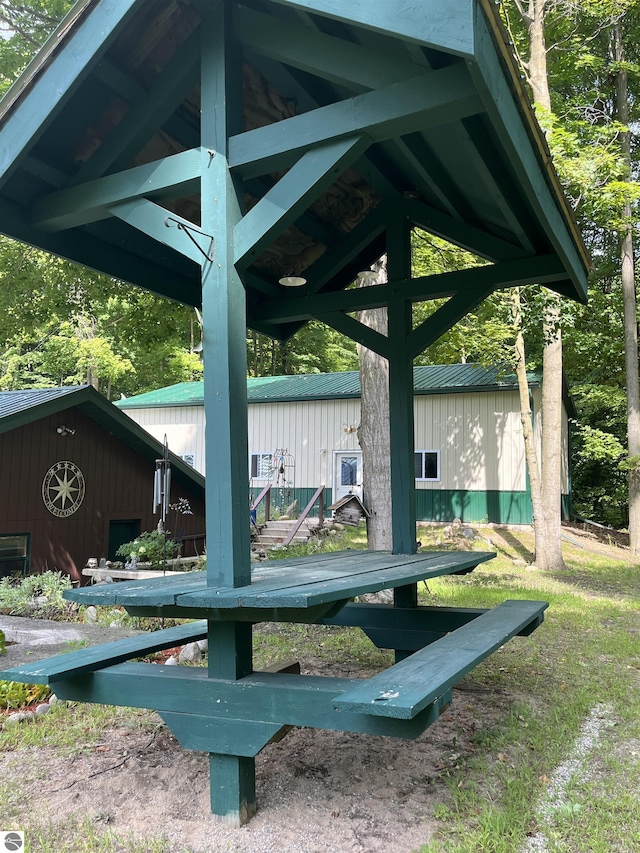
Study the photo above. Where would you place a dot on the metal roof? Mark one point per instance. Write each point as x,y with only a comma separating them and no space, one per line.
18,408
432,379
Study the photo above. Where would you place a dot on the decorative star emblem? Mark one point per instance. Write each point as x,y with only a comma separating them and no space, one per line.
63,489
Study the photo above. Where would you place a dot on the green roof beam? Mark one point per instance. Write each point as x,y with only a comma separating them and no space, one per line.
545,270
303,184
167,228
334,59
445,318
357,331
468,237
425,101
504,114
442,24
174,176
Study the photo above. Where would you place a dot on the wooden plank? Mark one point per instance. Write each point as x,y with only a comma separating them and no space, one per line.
90,659
299,583
356,331
445,318
158,223
225,736
178,173
397,571
334,59
406,688
468,237
305,182
441,24
427,101
296,700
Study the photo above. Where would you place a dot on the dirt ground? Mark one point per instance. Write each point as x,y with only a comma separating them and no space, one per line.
317,791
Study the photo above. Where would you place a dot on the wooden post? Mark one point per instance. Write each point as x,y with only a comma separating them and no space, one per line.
401,408
232,777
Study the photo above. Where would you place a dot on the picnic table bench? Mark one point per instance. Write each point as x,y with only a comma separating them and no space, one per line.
236,717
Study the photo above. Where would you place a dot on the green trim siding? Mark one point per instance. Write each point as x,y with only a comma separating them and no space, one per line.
446,504
480,507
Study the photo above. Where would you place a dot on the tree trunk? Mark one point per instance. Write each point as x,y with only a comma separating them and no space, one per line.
549,544
630,308
531,454
547,525
373,431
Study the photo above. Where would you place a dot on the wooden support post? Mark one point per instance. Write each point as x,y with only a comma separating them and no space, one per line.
401,425
232,777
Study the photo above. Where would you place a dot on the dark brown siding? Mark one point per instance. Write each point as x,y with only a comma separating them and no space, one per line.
119,485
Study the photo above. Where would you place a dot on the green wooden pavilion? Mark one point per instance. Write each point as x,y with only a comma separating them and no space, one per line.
207,149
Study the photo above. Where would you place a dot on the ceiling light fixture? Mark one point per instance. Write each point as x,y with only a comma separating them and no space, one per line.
292,280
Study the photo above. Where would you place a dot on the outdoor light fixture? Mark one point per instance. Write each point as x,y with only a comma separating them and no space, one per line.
292,280
64,430
368,275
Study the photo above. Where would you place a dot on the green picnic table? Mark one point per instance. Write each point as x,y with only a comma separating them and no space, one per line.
234,718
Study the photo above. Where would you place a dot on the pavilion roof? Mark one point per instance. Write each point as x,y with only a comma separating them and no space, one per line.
419,106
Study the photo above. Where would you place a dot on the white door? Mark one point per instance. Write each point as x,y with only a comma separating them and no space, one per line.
347,474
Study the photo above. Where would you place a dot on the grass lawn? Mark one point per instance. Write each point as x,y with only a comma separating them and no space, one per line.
558,769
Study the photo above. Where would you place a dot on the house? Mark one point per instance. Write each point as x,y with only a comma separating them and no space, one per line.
469,451
77,481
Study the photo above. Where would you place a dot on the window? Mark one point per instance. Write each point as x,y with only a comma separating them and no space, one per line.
189,458
14,554
261,466
349,471
426,464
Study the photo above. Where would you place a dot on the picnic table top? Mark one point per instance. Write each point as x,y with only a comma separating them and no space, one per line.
297,583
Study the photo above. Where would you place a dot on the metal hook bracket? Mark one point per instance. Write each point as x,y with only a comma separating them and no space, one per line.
183,226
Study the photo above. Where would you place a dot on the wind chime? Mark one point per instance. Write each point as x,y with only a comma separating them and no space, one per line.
161,496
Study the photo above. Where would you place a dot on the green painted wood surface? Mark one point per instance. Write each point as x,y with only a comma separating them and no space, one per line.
155,221
301,582
227,736
441,24
296,700
303,184
407,628
412,105
89,202
406,688
232,788
334,59
92,658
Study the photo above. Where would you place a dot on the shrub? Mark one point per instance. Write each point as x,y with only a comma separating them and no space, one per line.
150,548
36,595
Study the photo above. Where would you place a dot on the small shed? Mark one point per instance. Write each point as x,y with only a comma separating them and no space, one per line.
77,481
469,460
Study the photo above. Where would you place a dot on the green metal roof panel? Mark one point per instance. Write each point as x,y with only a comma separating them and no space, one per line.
432,379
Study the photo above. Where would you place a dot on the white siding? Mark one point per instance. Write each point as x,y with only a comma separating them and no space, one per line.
309,431
479,436
183,426
479,439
